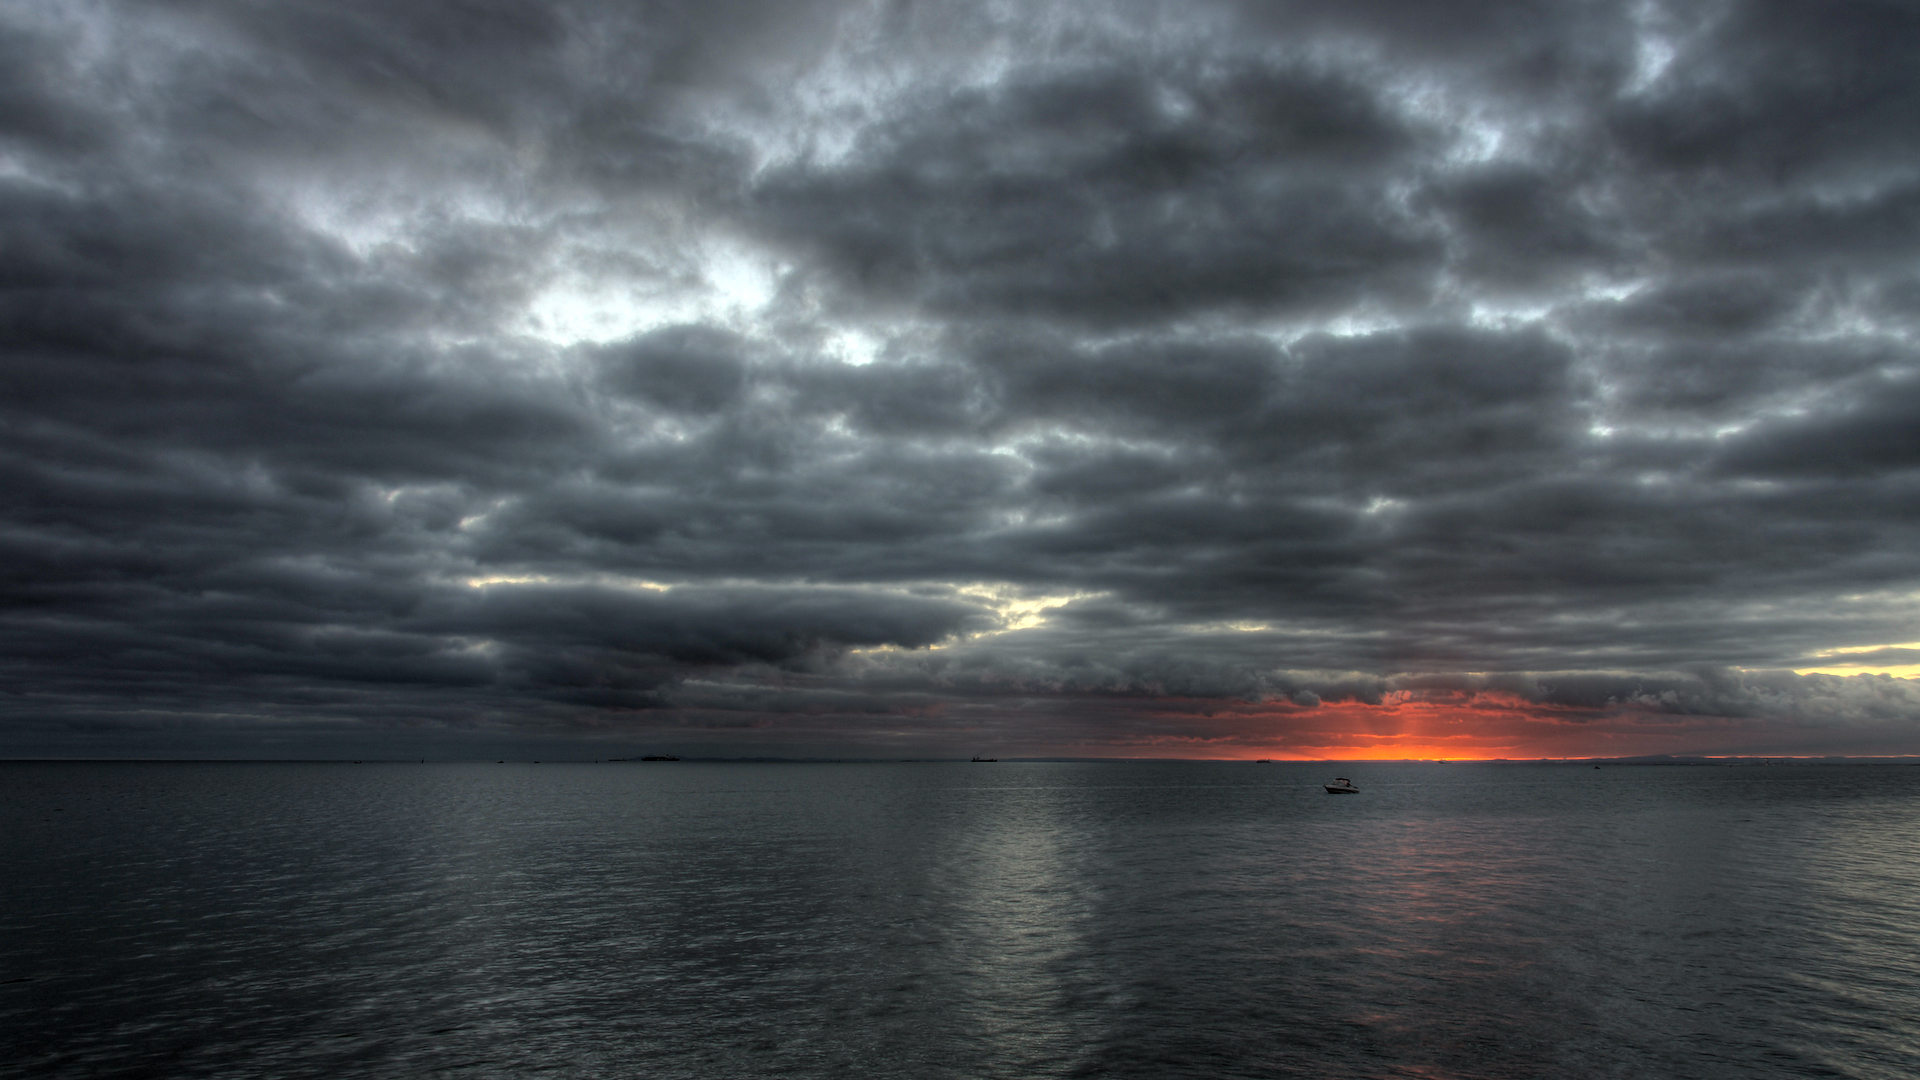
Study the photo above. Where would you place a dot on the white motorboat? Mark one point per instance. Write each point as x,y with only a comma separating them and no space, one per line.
1342,786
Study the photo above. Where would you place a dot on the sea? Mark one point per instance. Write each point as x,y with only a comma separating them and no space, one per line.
955,919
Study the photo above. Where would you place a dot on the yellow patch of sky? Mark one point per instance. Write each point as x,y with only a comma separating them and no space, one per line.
1019,610
1838,664
1016,608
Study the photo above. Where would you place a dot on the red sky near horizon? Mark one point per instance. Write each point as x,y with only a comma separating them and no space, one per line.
1484,727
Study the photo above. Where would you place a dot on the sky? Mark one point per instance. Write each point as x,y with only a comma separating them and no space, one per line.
1346,379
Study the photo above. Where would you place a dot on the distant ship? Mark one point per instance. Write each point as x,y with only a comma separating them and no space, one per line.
659,757
1342,786
986,759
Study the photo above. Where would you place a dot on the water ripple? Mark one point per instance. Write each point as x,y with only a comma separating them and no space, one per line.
927,920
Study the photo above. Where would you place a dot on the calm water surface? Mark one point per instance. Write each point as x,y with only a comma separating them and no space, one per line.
957,920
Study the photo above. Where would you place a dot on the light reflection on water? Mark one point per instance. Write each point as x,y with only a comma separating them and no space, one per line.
928,920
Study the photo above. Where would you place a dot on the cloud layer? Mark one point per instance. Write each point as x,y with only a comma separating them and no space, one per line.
877,377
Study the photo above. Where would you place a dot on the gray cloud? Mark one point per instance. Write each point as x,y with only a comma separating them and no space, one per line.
1119,194
860,375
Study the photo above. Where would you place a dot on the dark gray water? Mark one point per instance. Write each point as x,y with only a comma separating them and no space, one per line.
955,920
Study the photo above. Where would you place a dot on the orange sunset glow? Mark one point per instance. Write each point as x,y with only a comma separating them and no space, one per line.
1469,727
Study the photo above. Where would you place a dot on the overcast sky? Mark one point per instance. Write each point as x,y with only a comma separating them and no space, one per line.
1344,379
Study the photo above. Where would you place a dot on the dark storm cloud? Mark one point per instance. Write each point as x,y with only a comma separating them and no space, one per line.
1120,194
881,372
1873,428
